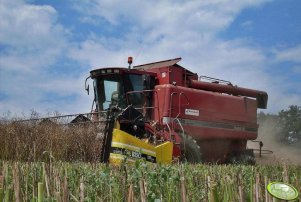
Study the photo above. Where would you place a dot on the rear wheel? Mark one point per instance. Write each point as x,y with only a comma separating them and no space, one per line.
191,151
244,157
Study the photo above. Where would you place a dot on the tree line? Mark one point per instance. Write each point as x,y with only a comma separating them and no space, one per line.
289,121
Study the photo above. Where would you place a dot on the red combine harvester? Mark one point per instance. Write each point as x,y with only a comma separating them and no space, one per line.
202,118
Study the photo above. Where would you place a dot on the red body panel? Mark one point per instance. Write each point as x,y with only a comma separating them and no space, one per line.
220,123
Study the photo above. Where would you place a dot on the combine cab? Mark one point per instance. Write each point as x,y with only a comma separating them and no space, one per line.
162,112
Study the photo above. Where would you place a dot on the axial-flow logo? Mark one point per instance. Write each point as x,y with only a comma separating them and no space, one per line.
282,191
192,112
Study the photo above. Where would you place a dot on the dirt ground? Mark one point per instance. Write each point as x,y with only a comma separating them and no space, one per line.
282,152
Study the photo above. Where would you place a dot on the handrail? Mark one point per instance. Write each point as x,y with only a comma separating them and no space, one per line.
176,119
179,112
170,106
215,80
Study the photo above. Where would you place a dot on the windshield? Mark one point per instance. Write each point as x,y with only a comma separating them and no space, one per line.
109,91
121,90
134,83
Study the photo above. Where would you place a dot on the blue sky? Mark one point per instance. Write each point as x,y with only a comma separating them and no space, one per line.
48,47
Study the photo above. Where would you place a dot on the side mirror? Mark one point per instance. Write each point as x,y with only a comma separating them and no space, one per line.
87,87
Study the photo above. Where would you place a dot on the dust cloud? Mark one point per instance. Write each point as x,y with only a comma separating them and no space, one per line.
269,133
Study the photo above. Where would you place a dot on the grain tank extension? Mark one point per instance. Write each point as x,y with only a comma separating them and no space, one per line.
164,112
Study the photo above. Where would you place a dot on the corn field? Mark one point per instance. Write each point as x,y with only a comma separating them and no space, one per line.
51,162
40,141
58,181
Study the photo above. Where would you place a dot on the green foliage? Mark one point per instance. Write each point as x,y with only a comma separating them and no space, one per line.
291,122
287,123
59,181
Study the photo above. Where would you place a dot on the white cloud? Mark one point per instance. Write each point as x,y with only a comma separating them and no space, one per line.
247,25
211,14
44,94
30,34
22,21
32,41
168,29
291,54
94,53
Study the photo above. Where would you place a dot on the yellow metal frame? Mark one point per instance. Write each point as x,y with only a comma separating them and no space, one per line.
126,147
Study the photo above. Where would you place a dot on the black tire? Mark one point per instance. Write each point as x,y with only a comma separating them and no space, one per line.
245,158
191,151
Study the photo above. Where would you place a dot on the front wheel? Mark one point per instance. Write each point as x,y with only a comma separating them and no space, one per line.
191,151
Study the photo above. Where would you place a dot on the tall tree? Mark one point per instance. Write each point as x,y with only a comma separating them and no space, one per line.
291,123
